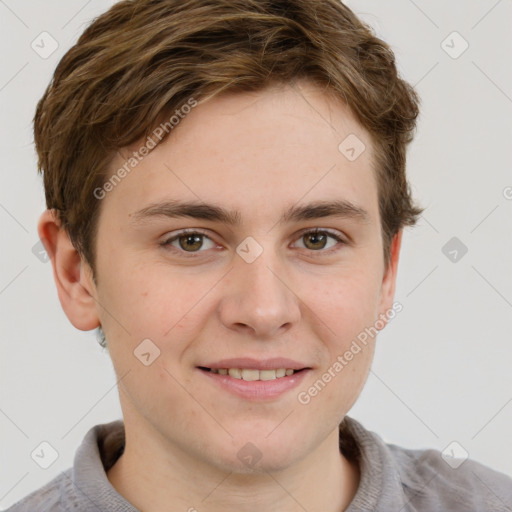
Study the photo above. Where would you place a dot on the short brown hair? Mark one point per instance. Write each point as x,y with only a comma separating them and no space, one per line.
143,59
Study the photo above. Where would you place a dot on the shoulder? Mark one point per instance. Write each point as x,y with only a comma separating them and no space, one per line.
85,486
431,481
51,497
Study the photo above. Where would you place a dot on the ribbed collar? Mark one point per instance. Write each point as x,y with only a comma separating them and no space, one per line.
380,488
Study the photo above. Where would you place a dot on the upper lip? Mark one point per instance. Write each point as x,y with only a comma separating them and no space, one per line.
256,364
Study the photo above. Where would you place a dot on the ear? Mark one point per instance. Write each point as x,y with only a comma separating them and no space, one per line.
389,280
72,275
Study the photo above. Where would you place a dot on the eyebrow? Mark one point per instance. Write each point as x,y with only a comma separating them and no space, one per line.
210,212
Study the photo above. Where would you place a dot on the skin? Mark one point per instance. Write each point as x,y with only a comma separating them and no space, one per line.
258,153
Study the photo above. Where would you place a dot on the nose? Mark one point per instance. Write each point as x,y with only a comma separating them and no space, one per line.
258,297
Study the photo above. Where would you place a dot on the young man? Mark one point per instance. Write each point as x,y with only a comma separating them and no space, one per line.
226,196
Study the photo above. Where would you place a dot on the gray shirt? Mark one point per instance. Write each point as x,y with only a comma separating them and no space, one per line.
393,479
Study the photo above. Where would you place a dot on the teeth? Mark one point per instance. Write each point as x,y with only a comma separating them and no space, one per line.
235,373
251,374
267,374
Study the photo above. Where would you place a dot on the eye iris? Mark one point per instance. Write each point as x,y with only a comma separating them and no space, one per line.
195,244
192,242
316,237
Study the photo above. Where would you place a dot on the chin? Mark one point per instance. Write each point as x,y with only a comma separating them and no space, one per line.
257,466
256,454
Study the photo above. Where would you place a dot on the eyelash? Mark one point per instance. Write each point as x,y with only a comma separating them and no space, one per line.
167,243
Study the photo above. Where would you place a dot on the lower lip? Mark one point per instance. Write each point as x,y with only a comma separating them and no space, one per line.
256,389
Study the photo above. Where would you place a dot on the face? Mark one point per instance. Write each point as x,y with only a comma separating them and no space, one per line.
255,290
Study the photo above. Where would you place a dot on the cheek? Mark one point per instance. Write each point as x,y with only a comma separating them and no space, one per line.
346,311
166,307
346,303
152,299
338,384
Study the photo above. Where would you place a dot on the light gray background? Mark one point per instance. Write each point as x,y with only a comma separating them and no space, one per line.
442,369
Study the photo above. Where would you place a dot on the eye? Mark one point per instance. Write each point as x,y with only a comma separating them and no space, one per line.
191,241
188,241
316,240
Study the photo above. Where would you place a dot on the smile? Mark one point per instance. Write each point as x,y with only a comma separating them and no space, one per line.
250,374
253,384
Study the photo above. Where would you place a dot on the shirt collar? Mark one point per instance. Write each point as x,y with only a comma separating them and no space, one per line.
93,456
380,487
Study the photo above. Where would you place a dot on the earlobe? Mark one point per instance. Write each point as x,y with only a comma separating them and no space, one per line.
71,273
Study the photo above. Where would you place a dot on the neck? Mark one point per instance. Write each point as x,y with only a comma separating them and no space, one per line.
150,478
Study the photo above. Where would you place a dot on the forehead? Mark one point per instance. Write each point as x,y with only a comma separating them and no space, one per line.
255,152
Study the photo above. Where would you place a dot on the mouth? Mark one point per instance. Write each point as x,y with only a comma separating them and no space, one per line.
263,381
253,374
